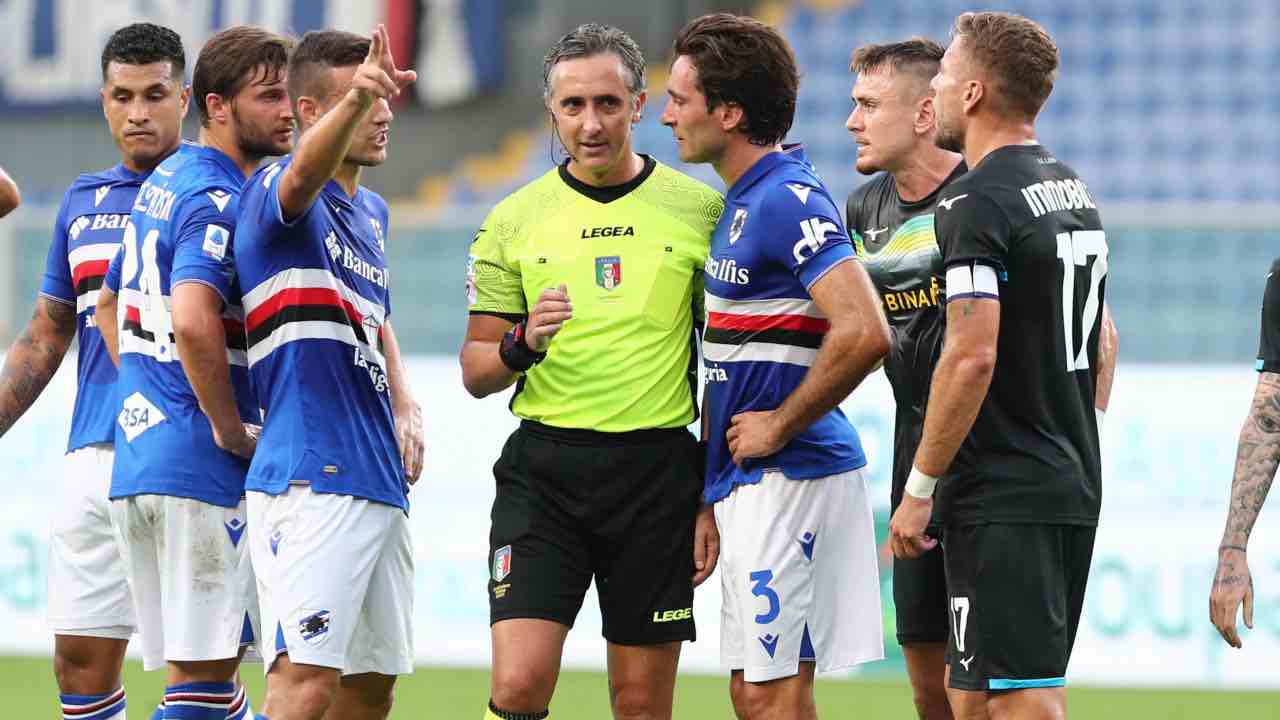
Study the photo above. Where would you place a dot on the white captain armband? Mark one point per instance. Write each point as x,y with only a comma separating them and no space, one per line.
972,281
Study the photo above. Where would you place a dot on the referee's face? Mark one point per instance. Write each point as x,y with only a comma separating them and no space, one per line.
593,110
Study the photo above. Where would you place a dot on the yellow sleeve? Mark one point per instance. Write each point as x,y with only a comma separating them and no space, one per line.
493,277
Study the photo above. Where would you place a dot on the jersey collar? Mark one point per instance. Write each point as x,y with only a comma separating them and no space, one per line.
790,154
222,160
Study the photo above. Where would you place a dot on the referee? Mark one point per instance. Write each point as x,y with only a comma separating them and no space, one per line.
584,290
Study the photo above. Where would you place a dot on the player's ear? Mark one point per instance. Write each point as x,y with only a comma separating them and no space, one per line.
217,106
926,116
729,115
639,106
184,100
974,91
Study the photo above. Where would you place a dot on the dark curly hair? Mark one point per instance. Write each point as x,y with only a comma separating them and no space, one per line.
741,61
143,44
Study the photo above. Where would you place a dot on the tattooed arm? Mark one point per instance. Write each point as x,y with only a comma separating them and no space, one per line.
1257,456
34,358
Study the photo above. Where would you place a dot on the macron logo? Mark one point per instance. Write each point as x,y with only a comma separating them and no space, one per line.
769,643
100,194
801,192
946,204
219,199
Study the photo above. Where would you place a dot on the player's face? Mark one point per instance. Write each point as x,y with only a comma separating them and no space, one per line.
144,106
883,121
699,138
948,103
263,116
369,146
593,112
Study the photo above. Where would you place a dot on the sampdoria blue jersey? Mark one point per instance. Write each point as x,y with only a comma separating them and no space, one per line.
180,231
316,298
86,235
780,233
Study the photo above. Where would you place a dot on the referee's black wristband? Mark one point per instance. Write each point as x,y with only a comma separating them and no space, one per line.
515,353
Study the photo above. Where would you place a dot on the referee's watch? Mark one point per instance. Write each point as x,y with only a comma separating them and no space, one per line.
515,352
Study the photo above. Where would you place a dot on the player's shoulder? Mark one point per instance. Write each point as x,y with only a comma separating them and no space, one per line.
870,193
693,201
1273,273
794,189
527,205
374,200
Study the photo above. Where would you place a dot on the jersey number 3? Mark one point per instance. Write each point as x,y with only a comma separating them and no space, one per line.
1074,250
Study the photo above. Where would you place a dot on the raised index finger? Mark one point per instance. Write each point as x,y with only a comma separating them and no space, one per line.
375,46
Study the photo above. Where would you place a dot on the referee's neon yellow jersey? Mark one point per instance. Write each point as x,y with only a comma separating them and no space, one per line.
631,258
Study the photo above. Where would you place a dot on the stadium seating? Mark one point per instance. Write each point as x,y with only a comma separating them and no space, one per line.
1152,104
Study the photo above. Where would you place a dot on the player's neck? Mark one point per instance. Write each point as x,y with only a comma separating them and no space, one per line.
145,168
348,177
227,145
981,140
624,172
925,172
739,157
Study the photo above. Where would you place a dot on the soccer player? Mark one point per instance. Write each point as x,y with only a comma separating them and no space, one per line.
144,100
186,413
10,197
1257,457
582,289
891,220
793,327
1010,420
328,498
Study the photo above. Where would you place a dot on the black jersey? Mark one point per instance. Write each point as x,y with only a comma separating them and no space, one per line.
1021,226
1269,337
895,241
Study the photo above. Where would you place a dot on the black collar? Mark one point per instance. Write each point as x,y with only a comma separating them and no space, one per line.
608,194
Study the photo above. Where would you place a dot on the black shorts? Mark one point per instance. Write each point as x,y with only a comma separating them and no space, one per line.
1016,595
620,507
920,598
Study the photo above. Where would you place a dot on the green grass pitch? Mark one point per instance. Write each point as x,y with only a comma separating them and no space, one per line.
434,693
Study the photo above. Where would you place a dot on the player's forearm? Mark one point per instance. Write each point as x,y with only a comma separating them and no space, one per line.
1108,347
104,314
397,374
202,346
849,352
34,358
1257,456
960,381
319,154
483,372
10,196
959,386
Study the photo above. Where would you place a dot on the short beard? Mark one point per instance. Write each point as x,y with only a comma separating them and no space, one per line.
253,143
949,139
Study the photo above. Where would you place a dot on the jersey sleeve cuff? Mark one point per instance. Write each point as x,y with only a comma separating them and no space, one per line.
72,303
222,291
823,273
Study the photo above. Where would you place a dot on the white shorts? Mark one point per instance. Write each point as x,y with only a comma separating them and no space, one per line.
189,575
335,581
798,576
88,591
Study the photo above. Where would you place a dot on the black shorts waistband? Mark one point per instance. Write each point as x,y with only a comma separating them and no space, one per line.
581,436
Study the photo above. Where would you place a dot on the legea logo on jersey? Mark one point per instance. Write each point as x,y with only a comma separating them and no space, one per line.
814,232
609,272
